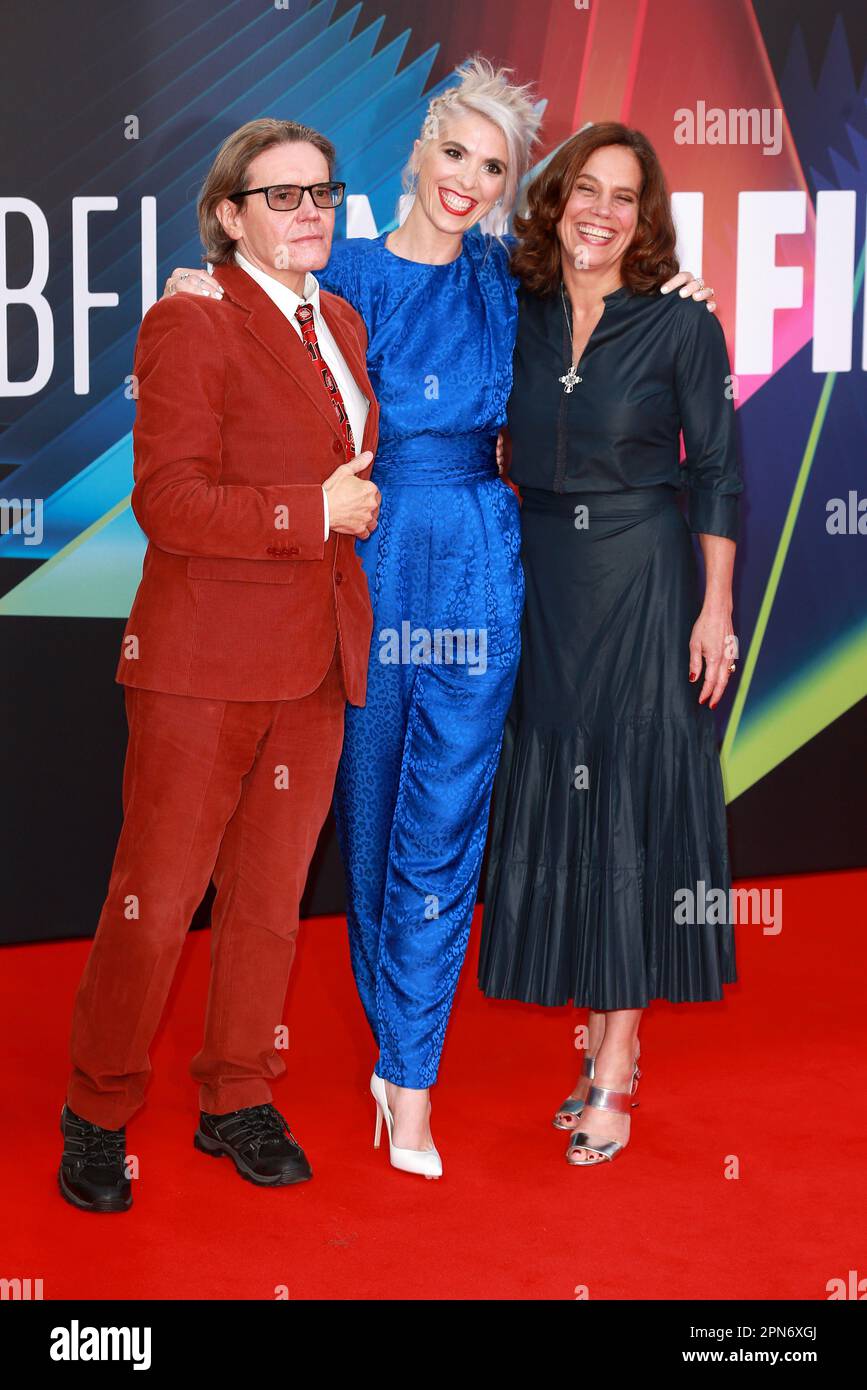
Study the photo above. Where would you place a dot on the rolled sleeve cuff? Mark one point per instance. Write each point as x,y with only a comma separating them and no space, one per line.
714,513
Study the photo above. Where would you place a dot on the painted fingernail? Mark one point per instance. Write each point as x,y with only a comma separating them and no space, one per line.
692,677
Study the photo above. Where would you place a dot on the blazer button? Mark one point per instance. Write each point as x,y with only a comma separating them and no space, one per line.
293,550
336,446
338,578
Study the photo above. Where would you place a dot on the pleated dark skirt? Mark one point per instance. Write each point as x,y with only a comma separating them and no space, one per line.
608,798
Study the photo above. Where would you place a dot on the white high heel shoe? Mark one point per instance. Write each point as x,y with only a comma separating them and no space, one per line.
426,1161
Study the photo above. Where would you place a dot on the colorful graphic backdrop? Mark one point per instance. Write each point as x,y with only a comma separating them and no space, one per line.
98,206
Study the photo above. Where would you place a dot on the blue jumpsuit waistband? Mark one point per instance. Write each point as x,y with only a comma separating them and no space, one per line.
426,459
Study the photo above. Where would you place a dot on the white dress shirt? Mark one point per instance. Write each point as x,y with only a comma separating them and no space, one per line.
287,301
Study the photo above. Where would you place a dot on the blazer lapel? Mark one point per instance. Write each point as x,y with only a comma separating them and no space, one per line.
269,327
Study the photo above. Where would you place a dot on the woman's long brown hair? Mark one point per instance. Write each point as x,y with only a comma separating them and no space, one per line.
648,262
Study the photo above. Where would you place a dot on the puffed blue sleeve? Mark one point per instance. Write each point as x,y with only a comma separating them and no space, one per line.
703,381
340,275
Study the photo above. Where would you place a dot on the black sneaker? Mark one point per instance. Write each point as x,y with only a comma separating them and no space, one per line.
91,1174
259,1142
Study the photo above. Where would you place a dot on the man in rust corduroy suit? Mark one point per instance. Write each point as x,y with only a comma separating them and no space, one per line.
253,441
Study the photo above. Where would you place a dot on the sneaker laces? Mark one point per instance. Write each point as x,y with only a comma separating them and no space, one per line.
250,1128
96,1147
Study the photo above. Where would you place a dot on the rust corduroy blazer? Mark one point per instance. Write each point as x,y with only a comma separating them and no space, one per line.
241,598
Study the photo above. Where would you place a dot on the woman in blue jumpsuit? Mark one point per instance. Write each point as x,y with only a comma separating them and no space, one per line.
415,778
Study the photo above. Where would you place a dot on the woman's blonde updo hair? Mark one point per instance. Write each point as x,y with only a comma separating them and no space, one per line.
486,91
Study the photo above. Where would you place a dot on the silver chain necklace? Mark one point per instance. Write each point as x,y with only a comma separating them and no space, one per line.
571,379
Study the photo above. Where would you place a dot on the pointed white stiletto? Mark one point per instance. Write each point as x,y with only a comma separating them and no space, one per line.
426,1161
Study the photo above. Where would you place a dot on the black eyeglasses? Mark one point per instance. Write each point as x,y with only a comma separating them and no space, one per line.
286,197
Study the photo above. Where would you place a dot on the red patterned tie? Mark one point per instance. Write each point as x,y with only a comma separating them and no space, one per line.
304,315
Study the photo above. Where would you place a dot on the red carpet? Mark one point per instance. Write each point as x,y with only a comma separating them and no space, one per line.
773,1076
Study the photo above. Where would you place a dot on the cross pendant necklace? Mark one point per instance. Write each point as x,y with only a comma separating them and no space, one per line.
571,378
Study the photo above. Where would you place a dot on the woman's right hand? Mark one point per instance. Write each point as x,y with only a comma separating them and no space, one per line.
183,280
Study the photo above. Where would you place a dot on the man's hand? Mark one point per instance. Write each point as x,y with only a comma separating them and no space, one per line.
353,504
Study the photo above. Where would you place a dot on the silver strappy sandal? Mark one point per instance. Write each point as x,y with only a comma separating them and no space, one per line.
603,1099
572,1106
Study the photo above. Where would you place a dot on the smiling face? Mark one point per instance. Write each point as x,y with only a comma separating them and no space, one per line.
601,217
462,172
285,244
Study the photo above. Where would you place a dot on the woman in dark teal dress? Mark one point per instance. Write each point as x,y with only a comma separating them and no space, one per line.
608,803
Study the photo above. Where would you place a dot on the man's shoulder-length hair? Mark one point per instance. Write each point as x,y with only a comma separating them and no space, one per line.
229,173
650,259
